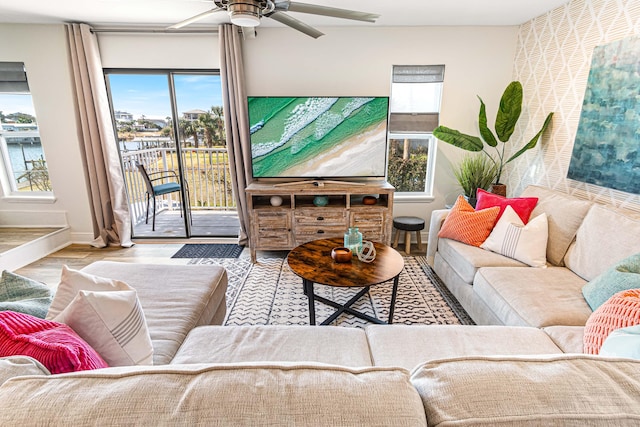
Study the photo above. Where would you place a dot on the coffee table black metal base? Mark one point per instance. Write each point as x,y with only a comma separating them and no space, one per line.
346,307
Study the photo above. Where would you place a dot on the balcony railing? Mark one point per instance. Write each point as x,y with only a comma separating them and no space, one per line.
205,171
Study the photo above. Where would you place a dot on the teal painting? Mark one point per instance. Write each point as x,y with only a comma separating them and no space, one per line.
605,152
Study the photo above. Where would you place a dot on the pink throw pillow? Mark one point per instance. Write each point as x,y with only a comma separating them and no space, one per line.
53,344
522,205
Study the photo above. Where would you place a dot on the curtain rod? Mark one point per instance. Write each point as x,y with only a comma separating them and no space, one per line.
153,30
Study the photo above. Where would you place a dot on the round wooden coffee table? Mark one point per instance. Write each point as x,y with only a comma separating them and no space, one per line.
313,263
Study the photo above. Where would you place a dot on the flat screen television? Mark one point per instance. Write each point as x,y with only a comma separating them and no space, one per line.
318,137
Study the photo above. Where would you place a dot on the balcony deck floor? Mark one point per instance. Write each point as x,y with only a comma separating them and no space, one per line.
169,224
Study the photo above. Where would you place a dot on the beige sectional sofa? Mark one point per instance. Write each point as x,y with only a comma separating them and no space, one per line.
585,239
383,375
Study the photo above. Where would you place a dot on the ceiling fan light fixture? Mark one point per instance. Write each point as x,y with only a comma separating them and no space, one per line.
244,14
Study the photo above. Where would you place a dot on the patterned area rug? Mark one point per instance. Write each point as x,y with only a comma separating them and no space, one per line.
269,293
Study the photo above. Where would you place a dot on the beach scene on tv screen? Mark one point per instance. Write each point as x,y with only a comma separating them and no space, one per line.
318,136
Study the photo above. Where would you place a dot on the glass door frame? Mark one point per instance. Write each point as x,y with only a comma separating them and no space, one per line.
169,73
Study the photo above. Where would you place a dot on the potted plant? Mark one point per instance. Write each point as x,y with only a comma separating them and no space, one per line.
475,172
506,119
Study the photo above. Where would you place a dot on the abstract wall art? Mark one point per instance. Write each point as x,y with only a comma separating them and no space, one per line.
606,148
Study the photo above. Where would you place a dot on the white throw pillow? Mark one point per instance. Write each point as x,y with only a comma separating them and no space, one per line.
623,342
526,243
113,324
73,281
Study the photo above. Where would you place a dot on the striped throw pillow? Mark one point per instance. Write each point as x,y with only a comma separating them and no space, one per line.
113,323
467,225
513,239
53,344
619,311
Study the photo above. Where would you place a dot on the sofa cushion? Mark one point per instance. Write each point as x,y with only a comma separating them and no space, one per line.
564,213
605,237
216,395
113,324
53,344
222,344
575,390
467,225
567,338
175,299
526,243
620,311
18,366
408,346
521,205
21,294
465,260
622,276
533,296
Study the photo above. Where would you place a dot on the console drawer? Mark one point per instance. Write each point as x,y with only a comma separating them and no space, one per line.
321,217
306,233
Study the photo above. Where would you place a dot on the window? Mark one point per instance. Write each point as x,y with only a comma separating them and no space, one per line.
24,168
416,92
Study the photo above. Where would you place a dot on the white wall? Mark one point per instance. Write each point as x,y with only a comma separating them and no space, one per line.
43,50
280,61
478,61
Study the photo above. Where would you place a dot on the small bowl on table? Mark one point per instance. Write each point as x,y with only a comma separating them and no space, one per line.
341,254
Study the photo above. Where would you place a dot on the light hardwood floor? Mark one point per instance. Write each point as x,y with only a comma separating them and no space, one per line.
48,269
11,237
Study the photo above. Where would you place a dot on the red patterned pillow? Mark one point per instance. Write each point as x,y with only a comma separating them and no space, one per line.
522,205
53,344
467,225
620,311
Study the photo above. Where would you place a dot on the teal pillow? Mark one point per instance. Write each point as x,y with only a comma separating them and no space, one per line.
623,342
23,295
622,276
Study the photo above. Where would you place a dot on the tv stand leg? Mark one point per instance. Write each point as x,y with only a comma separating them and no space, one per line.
253,255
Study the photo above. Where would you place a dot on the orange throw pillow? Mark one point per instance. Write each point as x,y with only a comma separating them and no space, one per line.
620,311
467,225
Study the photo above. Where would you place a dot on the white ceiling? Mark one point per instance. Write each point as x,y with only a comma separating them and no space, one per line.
161,13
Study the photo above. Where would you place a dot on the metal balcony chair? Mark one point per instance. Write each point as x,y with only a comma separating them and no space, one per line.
161,183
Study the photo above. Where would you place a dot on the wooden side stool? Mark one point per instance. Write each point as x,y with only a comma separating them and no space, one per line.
408,224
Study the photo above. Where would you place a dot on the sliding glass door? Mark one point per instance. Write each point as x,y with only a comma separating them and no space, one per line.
170,131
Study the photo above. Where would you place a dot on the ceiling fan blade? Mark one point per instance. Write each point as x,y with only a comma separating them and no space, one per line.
329,11
296,24
194,18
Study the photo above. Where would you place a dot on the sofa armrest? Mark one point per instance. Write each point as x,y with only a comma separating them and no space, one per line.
437,218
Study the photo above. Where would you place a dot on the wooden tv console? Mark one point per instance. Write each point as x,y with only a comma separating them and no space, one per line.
297,220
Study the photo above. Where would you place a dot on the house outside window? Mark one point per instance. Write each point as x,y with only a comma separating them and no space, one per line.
416,93
23,165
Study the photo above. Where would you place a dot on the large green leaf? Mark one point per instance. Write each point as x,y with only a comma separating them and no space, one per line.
533,141
509,111
460,140
485,132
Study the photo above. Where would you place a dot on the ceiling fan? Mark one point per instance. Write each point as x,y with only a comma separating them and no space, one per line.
247,13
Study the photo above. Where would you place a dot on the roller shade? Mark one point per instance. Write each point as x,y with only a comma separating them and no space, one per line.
13,78
413,122
418,73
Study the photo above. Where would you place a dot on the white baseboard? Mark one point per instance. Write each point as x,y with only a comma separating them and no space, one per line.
23,255
81,238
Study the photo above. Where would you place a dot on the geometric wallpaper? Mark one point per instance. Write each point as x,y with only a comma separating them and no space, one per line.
553,57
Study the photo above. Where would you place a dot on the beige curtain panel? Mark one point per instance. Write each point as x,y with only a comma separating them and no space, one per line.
111,218
236,120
